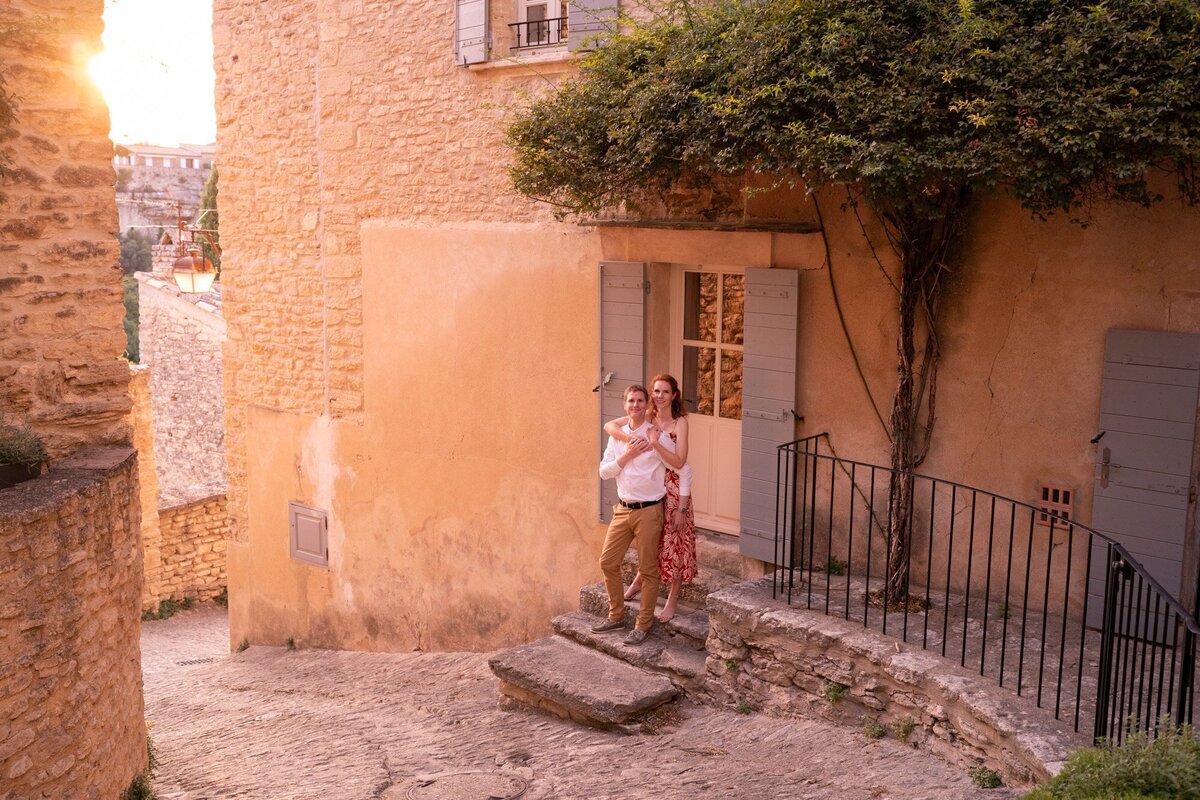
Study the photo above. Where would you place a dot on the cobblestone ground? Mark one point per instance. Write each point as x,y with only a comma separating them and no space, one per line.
269,723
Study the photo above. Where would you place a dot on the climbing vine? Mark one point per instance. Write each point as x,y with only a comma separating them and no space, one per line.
914,108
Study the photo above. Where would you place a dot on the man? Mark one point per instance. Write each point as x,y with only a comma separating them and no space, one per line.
637,517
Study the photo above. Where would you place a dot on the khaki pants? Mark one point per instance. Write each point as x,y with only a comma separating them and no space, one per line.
642,526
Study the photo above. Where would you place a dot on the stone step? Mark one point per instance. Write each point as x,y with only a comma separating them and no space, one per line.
562,677
675,657
689,622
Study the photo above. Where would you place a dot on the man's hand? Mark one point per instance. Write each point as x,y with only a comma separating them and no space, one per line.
632,450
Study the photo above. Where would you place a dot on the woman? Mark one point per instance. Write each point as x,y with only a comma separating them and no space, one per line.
677,544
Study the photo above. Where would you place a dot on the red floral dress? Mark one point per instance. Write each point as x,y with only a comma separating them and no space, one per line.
677,545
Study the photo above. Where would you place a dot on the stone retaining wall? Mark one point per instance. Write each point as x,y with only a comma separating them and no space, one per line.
781,659
71,714
192,549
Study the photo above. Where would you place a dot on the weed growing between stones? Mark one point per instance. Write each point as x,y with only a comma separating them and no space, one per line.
140,787
873,728
745,708
243,645
661,719
986,778
222,599
290,644
833,692
167,609
732,665
836,566
904,728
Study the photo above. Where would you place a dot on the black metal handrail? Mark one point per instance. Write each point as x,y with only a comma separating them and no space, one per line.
539,33
975,562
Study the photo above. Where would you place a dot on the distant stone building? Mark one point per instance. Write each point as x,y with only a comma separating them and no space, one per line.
151,180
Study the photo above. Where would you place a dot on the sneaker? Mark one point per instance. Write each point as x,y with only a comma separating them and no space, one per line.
636,637
608,625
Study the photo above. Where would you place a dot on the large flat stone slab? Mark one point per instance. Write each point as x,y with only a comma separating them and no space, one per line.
690,622
572,681
685,665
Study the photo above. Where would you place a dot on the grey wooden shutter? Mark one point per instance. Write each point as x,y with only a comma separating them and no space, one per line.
768,399
588,19
471,31
1144,469
622,349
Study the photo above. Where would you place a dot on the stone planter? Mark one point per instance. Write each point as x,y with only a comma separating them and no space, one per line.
12,474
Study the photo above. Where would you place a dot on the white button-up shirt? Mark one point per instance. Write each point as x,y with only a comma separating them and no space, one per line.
642,478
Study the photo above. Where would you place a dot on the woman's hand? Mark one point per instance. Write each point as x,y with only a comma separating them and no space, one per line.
652,435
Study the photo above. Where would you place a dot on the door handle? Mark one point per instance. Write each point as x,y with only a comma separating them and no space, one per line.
608,376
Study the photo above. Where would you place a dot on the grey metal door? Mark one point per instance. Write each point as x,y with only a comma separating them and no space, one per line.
1144,469
622,348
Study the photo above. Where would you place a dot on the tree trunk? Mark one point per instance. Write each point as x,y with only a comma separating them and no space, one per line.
903,423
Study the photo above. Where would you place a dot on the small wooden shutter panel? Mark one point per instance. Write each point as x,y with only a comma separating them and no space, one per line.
622,349
768,399
471,31
588,19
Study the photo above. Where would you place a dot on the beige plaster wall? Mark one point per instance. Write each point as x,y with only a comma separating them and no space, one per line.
412,348
60,284
71,716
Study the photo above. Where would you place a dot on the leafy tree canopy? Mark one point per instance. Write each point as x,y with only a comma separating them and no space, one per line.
1056,101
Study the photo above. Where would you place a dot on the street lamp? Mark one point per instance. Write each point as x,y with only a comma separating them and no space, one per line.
193,273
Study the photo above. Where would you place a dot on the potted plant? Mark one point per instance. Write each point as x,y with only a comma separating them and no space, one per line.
22,454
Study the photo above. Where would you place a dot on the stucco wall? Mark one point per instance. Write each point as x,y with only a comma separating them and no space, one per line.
60,287
71,710
412,348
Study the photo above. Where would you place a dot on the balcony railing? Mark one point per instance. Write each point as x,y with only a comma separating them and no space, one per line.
540,33
1047,607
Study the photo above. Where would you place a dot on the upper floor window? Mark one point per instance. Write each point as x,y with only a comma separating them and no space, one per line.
540,23
571,24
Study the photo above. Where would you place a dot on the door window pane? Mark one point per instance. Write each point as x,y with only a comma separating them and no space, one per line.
733,295
699,379
731,384
700,306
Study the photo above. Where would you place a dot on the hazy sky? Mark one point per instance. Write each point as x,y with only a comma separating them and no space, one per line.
156,71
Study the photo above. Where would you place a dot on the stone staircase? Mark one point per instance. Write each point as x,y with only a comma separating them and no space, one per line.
594,678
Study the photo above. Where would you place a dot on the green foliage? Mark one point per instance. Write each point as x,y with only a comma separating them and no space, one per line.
129,287
124,176
19,444
1055,101
904,728
873,728
222,599
836,566
167,609
290,644
745,708
1167,767
139,788
985,778
243,645
135,249
732,665
833,692
210,218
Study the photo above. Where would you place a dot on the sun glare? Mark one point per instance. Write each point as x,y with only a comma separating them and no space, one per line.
156,71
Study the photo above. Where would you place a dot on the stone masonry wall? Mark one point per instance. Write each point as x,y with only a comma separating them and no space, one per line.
71,714
330,113
60,281
192,550
142,421
180,337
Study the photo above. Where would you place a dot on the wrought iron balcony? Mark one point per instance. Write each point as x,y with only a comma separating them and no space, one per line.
540,33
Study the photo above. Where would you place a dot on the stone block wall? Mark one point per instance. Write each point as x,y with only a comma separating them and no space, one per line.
180,339
60,280
192,550
71,714
767,655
